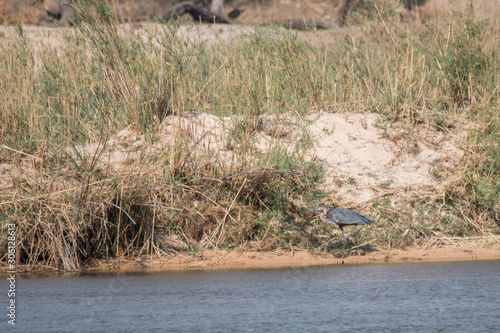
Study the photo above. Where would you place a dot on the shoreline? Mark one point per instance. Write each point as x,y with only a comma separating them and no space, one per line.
278,259
242,260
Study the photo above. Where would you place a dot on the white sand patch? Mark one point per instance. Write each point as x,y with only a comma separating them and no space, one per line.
365,156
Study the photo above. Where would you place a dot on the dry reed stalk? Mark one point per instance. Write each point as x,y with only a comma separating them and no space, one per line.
227,213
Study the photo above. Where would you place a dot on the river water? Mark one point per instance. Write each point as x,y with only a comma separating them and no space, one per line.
418,297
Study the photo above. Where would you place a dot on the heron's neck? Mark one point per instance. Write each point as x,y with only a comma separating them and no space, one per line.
322,216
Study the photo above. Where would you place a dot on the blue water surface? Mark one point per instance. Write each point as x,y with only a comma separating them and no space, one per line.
422,297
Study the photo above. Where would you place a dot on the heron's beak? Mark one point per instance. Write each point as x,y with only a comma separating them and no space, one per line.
315,208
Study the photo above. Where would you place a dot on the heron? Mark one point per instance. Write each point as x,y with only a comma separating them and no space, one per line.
341,217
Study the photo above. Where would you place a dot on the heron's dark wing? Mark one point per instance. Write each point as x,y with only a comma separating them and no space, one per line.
347,216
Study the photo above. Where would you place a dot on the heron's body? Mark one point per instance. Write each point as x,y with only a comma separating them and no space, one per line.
341,217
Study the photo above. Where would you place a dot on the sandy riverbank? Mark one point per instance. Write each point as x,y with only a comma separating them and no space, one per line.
216,260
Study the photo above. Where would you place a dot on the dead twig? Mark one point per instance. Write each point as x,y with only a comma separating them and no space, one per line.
22,153
220,226
397,190
112,204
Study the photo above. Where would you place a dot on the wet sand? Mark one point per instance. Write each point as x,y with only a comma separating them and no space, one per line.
217,260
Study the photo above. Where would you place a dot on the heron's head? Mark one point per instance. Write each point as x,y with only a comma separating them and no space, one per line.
321,206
